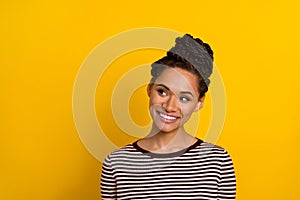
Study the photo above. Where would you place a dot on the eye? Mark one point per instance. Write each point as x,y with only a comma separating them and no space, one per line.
162,92
184,99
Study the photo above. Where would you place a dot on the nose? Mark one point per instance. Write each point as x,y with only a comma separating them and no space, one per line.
171,104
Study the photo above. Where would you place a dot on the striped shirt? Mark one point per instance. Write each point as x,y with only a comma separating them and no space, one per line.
201,171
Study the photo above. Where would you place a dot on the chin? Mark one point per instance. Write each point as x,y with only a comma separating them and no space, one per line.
166,128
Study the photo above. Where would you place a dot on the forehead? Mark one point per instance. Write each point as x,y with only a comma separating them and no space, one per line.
178,79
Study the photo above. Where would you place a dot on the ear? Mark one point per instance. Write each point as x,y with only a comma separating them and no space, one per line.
199,104
149,88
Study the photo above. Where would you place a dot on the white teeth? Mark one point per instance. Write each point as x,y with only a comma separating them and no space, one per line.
167,116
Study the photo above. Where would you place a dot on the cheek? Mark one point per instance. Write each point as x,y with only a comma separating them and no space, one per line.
155,98
153,102
188,109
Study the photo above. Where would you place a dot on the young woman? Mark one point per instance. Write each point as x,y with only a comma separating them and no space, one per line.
170,163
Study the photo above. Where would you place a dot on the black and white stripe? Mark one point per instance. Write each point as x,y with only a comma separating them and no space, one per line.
202,171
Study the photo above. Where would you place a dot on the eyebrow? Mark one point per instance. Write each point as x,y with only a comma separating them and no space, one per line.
182,92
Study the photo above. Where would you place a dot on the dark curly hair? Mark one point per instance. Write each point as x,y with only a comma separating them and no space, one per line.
191,54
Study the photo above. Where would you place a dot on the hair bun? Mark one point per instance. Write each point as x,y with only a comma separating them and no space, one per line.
196,52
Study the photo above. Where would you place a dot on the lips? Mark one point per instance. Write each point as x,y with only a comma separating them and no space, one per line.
167,118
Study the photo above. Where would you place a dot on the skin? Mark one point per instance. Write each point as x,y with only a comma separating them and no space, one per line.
174,96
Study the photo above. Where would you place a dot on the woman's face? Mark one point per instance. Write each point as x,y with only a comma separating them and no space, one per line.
174,96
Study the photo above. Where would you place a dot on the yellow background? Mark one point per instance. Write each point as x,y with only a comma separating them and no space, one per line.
43,44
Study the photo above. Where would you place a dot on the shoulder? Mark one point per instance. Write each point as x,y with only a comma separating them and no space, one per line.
206,146
212,150
217,156
122,152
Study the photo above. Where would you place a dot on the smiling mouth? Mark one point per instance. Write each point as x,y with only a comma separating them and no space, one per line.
167,118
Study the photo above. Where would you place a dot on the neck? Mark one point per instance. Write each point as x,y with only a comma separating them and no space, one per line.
165,136
159,141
